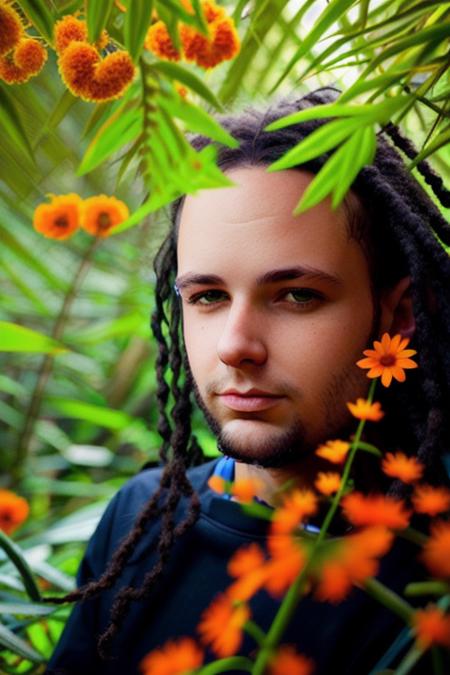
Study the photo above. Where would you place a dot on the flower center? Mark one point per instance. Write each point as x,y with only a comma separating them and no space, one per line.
103,220
61,221
387,360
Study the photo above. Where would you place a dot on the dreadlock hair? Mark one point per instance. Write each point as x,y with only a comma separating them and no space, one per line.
401,231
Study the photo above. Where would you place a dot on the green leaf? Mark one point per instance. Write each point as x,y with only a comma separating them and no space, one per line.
323,182
11,641
12,124
40,16
360,150
176,72
137,21
17,558
198,120
25,608
120,128
98,12
439,141
14,338
103,417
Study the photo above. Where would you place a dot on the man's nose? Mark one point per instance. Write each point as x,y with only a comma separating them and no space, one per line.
242,339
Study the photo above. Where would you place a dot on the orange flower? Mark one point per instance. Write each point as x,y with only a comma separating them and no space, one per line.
11,29
334,451
59,219
159,42
288,558
363,410
13,511
245,489
431,500
355,560
222,43
221,625
71,29
368,510
436,551
398,465
295,508
328,482
287,661
217,484
248,566
25,61
174,658
92,78
432,627
389,358
101,214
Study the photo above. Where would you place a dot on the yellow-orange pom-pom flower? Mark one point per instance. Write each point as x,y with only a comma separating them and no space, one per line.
431,500
11,29
287,661
59,219
92,78
369,510
388,359
221,625
436,551
327,482
334,451
432,627
25,61
207,52
174,658
364,410
69,29
159,42
101,214
13,511
399,465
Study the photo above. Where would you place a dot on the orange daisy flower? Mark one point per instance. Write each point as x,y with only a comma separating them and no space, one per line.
431,500
101,214
432,627
355,559
174,658
59,219
327,483
334,451
389,358
288,661
288,558
296,506
217,484
248,566
369,510
221,625
13,511
245,489
398,465
363,410
11,29
92,78
436,551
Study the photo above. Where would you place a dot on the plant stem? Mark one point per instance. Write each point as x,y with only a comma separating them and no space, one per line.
409,661
46,367
15,555
388,598
221,666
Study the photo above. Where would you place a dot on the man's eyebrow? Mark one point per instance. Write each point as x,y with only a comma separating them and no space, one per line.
286,274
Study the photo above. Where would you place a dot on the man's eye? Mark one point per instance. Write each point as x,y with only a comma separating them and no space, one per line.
302,296
206,298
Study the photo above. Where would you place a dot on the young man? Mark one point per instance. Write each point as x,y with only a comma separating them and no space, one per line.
275,310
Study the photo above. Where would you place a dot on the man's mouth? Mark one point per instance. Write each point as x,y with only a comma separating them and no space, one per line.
252,400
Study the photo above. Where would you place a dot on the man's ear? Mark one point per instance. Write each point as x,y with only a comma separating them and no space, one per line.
396,310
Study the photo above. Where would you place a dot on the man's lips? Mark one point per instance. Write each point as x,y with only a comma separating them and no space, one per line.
252,400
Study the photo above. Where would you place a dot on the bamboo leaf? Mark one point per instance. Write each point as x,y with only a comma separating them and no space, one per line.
98,12
17,558
40,16
99,415
25,608
137,21
198,120
176,72
15,338
13,642
323,183
442,139
11,122
360,150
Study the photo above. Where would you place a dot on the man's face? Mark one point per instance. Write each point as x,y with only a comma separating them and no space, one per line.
276,303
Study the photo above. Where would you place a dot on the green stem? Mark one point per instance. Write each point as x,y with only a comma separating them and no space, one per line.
255,631
293,595
15,555
221,666
427,588
388,598
409,661
410,534
368,447
46,367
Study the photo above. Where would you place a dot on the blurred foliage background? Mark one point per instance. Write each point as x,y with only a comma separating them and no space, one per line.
78,415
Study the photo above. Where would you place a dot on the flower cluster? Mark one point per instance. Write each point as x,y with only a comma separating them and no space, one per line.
21,57
84,71
13,511
65,214
221,43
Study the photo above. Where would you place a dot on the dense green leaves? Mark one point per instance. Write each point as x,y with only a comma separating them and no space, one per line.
40,16
98,12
